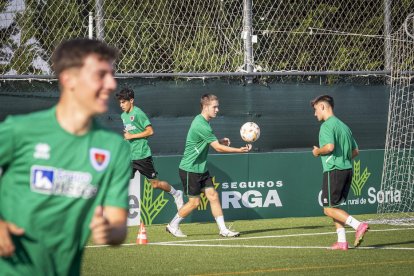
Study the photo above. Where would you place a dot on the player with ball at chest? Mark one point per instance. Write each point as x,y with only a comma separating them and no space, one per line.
193,170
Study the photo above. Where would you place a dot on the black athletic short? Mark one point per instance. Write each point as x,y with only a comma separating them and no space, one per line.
335,187
195,183
145,167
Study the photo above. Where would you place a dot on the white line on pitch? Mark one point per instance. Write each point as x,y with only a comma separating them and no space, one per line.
250,238
238,246
277,246
278,236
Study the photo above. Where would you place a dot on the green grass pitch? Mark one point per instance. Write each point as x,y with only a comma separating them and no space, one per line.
294,246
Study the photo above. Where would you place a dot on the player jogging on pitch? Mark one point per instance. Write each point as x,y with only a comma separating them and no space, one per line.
137,129
193,170
337,148
64,176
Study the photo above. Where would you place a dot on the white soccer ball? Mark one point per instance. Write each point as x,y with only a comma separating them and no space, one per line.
250,132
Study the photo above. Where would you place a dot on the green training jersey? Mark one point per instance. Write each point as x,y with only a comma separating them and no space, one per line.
51,183
199,137
135,122
334,131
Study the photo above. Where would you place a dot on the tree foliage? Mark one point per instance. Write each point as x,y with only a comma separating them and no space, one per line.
205,36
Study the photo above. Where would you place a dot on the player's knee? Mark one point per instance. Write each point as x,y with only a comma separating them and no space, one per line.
194,203
155,184
212,195
327,211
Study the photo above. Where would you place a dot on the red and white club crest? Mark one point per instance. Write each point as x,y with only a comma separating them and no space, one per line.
99,158
132,118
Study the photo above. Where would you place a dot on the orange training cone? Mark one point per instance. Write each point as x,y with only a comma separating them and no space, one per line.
142,235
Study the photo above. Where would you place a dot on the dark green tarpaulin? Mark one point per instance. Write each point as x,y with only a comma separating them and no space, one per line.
281,110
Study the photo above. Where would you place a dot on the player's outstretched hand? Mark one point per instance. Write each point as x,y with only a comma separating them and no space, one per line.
225,141
6,230
100,227
315,151
247,148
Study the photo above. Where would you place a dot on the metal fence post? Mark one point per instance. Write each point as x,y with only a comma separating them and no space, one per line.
387,34
247,36
99,19
90,26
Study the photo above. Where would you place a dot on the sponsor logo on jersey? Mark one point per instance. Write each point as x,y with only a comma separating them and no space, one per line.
132,118
56,181
42,151
129,127
99,158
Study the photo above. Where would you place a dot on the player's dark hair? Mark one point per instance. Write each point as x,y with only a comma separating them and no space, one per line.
125,94
72,53
323,98
206,99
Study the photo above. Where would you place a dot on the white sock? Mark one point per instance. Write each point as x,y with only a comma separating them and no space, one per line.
173,191
354,223
175,222
341,234
220,223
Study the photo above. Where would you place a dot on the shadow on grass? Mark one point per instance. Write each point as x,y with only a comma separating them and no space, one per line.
200,231
281,229
390,244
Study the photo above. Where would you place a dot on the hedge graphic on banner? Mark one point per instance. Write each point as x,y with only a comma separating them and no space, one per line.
150,208
358,179
203,198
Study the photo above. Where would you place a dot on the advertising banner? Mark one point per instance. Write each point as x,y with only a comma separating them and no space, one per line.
264,185
134,195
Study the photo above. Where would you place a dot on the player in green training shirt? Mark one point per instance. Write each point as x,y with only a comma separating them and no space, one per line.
337,148
193,170
64,176
137,129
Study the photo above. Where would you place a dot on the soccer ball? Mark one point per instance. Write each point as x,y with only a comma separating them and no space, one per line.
250,132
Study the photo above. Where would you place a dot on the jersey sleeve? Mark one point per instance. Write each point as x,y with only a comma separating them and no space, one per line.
6,142
143,120
326,136
117,194
354,144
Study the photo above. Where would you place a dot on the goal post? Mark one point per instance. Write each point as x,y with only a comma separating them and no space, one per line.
398,170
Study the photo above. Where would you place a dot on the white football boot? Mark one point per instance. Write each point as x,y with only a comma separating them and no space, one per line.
229,233
175,231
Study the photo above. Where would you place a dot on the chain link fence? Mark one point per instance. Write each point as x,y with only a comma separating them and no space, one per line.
203,37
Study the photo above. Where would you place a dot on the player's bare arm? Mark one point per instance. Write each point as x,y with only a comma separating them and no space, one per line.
6,245
149,131
226,149
355,153
327,149
108,225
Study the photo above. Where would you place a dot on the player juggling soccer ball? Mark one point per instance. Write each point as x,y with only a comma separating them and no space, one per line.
337,148
193,170
137,129
64,176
